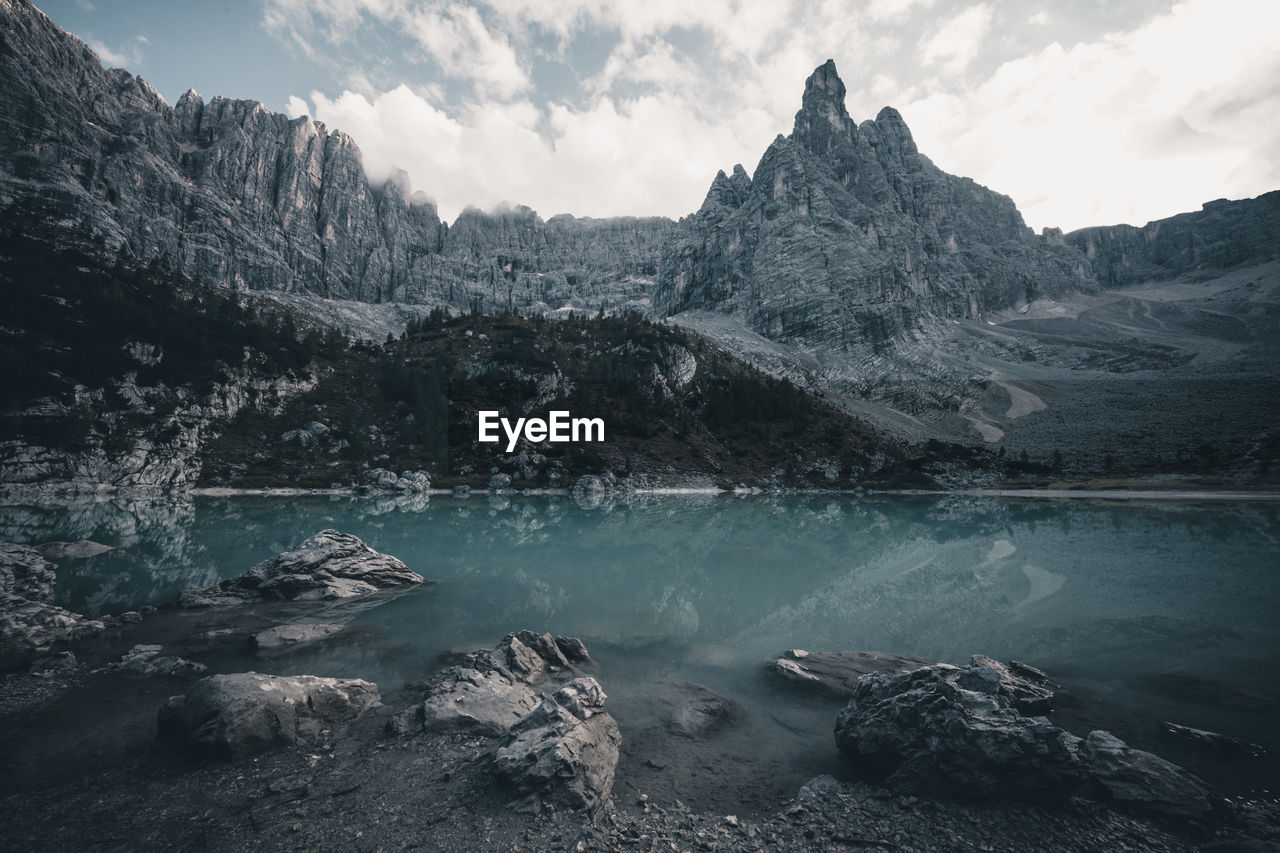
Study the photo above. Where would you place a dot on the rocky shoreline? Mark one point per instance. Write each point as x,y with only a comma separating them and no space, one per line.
513,747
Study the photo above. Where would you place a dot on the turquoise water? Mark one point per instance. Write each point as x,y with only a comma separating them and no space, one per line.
1146,612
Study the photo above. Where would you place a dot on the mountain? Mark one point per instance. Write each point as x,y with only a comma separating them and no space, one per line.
847,236
847,263
232,194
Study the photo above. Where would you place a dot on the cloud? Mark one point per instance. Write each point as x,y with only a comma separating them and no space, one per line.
956,43
452,35
1132,127
85,5
128,55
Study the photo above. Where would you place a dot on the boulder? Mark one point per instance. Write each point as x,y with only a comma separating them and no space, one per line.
1140,781
1029,688
956,731
489,703
835,673
499,481
30,624
489,690
287,638
565,751
329,565
697,712
230,716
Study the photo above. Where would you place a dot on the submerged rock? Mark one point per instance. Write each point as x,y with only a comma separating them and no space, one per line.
697,712
956,731
1214,743
836,673
1143,782
329,565
565,751
147,660
234,715
79,550
286,638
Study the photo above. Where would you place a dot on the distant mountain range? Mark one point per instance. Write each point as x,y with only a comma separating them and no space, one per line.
847,262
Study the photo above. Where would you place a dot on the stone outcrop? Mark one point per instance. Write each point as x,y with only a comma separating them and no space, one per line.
407,482
962,732
565,751
233,194
1222,234
231,716
943,729
836,673
329,565
31,625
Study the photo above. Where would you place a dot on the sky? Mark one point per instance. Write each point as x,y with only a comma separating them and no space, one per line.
1084,112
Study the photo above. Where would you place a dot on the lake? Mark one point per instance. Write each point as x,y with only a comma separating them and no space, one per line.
1145,612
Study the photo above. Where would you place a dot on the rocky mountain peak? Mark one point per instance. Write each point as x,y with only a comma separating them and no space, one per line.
894,135
822,123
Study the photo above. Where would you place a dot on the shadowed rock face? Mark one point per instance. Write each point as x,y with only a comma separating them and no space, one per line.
233,194
847,235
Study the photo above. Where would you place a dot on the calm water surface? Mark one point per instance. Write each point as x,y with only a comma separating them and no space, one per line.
1147,612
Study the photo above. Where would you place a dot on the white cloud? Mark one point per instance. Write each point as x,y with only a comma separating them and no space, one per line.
956,43
1135,126
1127,126
453,35
128,55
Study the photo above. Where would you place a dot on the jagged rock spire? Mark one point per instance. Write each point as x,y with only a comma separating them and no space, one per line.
823,124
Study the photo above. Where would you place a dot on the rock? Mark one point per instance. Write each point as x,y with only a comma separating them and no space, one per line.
1029,688
573,649
489,703
490,689
565,751
329,565
230,716
146,660
697,712
836,673
955,731
24,572
1214,743
79,550
463,491
287,638
1137,780
130,617
31,626
409,482
499,481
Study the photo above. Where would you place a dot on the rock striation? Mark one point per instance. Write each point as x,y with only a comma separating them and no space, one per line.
329,565
231,716
232,194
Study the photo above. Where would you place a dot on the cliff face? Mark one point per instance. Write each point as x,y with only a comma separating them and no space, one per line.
231,193
846,235
1221,235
